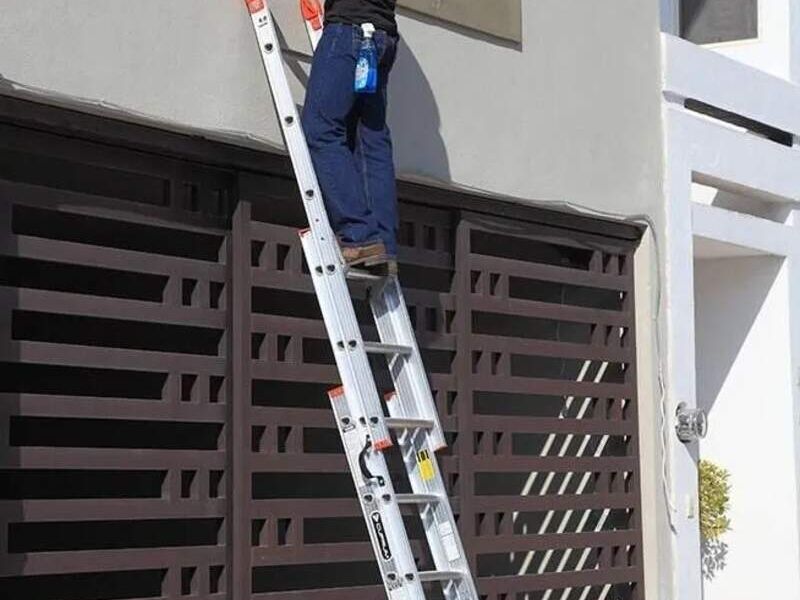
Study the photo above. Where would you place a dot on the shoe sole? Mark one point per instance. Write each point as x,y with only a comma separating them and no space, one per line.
389,265
368,261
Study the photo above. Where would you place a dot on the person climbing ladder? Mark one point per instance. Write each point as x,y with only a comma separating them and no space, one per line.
344,119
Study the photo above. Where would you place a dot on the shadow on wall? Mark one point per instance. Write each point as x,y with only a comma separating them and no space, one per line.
415,120
715,558
726,327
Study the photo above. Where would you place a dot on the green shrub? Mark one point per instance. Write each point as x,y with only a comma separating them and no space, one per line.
715,498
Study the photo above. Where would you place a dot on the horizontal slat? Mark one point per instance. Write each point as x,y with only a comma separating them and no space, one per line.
514,464
319,418
551,227
529,270
548,310
101,561
110,258
297,282
111,358
533,385
117,509
573,579
555,541
103,458
541,425
95,205
554,502
64,303
315,329
34,405
512,345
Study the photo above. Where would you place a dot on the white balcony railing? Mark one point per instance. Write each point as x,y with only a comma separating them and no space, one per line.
734,126
697,73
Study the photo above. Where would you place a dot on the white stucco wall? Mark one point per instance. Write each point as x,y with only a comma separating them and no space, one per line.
744,379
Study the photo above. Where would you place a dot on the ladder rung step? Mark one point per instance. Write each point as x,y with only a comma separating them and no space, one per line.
425,576
403,423
361,275
417,498
390,349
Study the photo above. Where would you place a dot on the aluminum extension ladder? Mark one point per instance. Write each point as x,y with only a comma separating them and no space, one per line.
364,429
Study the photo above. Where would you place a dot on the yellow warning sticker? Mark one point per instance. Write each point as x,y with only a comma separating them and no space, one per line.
425,464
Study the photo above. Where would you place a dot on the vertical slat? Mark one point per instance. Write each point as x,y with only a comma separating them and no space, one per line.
463,329
239,401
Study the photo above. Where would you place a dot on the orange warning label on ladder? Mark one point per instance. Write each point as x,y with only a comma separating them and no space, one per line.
312,12
255,5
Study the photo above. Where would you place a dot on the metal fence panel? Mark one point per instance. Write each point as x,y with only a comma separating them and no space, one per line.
163,368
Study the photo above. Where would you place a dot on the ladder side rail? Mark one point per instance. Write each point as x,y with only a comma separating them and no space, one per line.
347,343
408,372
322,251
437,518
378,504
313,16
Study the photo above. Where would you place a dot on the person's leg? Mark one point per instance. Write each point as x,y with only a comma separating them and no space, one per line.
374,150
328,115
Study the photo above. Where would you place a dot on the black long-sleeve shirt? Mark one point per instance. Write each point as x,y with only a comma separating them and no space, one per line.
355,12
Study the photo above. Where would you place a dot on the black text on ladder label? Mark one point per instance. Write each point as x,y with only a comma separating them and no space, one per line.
380,535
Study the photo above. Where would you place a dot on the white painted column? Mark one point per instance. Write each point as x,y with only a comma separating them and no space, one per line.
680,360
794,326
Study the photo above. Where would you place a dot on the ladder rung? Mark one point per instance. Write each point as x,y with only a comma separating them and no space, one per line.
403,423
425,576
361,275
417,498
390,349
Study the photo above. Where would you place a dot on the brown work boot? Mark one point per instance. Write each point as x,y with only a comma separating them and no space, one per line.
372,256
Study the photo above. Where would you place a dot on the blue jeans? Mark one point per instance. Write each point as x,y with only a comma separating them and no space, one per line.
350,143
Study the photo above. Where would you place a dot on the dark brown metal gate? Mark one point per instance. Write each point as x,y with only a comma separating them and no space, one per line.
163,367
